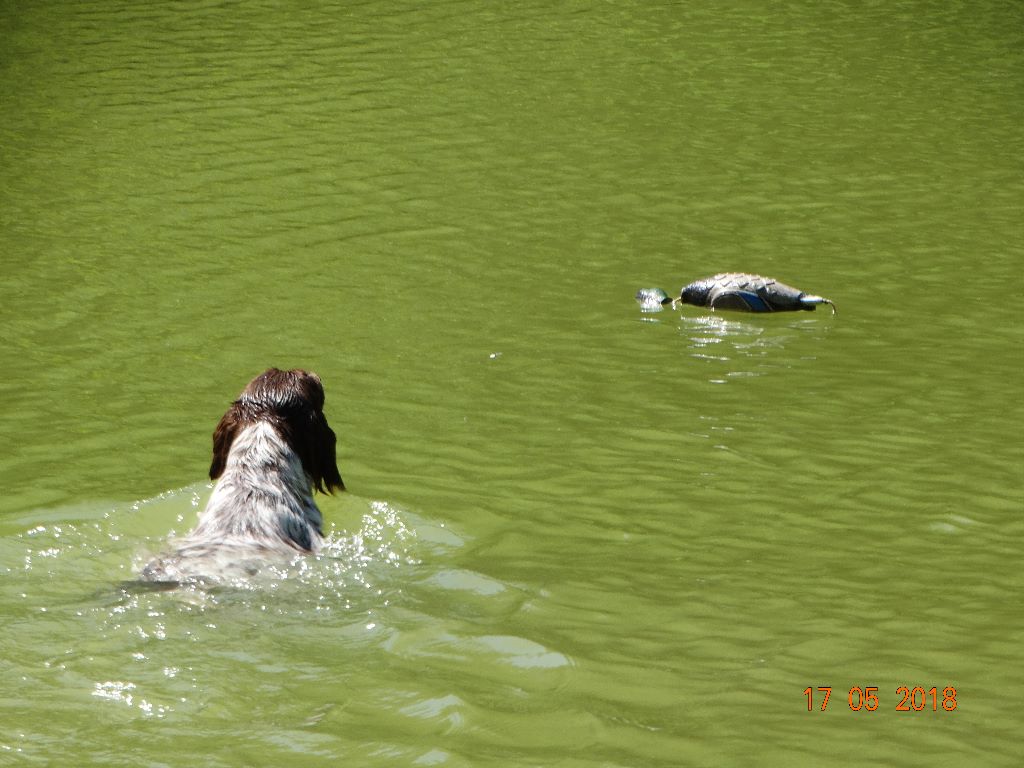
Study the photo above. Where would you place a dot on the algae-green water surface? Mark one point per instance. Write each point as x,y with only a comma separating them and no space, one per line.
575,534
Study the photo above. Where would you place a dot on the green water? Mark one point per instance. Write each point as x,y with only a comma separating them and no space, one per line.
575,535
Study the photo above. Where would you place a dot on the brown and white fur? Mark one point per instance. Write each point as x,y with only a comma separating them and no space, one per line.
271,450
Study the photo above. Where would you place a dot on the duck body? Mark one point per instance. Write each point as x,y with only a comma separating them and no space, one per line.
738,291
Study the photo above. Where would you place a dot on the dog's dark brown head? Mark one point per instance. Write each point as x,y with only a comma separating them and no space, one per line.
292,402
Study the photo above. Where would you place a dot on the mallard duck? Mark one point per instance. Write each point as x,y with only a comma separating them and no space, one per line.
736,290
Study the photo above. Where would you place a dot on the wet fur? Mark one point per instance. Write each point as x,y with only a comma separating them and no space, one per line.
271,450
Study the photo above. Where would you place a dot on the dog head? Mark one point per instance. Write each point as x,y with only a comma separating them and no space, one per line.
292,402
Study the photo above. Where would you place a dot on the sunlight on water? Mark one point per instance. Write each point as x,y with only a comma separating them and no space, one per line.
734,346
349,563
60,582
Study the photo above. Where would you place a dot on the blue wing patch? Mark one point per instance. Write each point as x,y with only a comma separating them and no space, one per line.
741,300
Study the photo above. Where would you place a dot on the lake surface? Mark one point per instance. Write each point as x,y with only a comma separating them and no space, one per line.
575,534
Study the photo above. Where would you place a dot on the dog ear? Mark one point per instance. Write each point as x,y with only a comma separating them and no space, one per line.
323,455
223,436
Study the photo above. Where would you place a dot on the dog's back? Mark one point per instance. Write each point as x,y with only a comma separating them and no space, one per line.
271,450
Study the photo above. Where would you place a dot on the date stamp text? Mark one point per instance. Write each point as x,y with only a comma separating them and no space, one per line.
916,699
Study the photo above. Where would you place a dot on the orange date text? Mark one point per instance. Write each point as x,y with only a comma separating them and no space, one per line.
916,699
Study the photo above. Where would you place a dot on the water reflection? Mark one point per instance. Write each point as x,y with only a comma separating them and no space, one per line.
744,348
737,345
709,333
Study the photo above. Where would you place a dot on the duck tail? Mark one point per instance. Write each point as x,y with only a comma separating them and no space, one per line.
809,300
